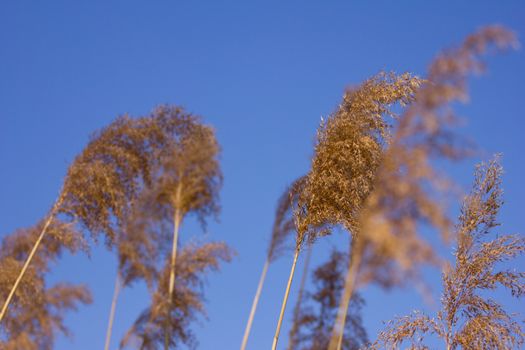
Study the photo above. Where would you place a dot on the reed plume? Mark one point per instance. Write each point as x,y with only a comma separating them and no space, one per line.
469,317
180,175
149,330
187,177
38,313
99,185
408,190
347,152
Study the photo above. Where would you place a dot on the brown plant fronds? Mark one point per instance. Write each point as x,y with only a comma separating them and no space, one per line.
148,332
189,160
180,175
99,186
141,242
106,179
103,181
186,177
284,222
348,152
38,310
61,236
318,314
470,318
407,190
106,176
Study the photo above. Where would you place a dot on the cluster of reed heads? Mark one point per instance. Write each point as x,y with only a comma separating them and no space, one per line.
373,175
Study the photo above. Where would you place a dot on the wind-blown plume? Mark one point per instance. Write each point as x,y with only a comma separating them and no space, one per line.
186,178
100,185
469,319
347,153
149,330
38,312
408,191
181,175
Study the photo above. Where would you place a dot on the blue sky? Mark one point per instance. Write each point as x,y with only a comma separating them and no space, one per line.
262,73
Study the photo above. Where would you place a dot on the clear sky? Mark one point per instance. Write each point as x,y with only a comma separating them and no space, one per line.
262,73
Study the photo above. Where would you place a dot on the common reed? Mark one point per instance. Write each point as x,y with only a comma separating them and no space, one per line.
470,317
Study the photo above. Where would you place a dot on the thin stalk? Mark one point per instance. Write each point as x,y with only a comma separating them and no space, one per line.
254,304
304,277
116,292
283,306
176,223
29,258
448,335
336,340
